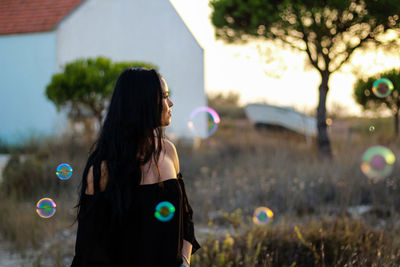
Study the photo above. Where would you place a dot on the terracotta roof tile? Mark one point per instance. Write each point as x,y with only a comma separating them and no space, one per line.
26,16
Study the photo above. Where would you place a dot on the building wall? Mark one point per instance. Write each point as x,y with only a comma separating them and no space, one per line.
27,62
139,30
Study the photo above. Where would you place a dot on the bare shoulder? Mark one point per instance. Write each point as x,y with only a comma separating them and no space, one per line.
172,153
90,179
169,146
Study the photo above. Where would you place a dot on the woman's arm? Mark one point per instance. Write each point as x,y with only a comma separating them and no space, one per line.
187,246
186,252
188,225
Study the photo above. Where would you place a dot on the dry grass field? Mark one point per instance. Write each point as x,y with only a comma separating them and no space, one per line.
326,212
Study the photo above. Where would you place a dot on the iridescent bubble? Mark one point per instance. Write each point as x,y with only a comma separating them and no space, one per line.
262,215
164,211
203,122
382,87
46,208
64,171
371,128
377,162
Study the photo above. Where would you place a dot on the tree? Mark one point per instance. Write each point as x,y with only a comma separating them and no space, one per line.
364,96
85,86
226,105
327,31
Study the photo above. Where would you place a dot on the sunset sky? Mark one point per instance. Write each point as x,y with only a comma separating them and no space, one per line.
283,80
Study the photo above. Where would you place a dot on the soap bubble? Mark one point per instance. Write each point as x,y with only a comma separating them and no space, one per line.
64,171
262,215
382,87
371,128
377,162
46,208
203,122
164,211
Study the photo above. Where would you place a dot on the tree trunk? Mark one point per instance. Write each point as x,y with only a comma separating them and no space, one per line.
324,145
396,122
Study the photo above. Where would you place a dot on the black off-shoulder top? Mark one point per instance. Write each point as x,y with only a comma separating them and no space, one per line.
141,240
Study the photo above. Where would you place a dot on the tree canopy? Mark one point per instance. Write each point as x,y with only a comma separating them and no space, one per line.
369,101
85,86
327,31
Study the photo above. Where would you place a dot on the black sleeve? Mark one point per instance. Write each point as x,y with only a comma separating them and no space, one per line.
188,226
91,248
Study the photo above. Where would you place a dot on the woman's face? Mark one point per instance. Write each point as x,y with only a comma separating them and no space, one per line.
166,104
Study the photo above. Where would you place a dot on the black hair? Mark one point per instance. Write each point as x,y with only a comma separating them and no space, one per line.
130,136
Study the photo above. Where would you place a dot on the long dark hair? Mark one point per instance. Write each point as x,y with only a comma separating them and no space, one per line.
130,136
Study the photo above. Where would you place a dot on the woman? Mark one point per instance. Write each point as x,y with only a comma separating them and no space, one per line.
132,169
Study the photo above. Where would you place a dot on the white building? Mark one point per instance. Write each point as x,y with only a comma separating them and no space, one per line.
38,37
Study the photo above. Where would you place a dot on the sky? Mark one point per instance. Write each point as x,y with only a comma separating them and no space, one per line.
263,72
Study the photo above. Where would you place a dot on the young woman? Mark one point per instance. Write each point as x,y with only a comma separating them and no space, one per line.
132,169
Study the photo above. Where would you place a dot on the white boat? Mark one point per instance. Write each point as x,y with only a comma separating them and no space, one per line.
286,117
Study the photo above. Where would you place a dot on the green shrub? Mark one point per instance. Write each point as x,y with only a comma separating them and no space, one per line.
337,242
29,177
21,225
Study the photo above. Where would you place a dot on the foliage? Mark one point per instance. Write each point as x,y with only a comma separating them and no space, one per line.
30,174
364,96
327,31
29,145
4,147
334,242
85,86
227,106
23,177
20,225
369,101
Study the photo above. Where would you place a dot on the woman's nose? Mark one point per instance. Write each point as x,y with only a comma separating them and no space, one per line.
170,103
